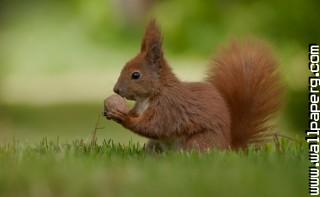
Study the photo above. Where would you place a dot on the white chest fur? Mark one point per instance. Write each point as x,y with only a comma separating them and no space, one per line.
141,106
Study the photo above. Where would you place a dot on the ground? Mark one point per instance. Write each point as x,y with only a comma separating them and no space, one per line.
84,168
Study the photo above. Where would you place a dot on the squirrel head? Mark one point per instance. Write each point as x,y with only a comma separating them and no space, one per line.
140,78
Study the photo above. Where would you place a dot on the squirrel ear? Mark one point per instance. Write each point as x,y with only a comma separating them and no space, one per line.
152,43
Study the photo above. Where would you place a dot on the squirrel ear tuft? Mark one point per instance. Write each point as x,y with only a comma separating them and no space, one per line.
152,42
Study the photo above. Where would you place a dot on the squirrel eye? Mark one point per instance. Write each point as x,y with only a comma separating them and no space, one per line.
135,75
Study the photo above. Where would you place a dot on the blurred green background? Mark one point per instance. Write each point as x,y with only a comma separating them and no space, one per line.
59,59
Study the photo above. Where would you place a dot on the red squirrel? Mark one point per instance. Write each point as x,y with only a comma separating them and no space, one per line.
230,109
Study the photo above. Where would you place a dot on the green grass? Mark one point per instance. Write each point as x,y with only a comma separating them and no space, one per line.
68,121
82,168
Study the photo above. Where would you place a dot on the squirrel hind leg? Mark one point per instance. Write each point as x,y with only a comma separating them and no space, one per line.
154,146
204,142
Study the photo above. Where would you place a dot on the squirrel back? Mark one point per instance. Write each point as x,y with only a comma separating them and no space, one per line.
246,76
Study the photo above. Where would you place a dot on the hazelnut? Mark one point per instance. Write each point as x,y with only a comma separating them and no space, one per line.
115,102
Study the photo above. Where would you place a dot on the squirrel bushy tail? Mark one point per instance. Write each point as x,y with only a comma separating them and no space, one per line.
246,76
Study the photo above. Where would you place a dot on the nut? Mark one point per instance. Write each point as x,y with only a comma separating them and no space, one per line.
115,102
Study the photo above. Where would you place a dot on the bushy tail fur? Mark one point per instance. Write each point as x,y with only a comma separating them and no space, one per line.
246,76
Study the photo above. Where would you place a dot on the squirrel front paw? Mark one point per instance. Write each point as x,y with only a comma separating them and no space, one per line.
115,115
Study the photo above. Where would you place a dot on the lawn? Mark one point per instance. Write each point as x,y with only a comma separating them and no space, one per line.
60,59
83,168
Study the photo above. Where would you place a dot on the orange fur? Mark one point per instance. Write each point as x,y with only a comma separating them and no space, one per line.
228,110
246,75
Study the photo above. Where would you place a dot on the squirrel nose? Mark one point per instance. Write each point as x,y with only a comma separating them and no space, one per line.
116,90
